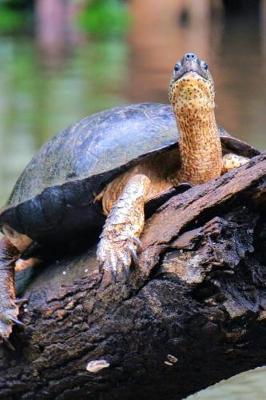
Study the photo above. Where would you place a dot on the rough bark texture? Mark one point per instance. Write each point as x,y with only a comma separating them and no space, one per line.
192,313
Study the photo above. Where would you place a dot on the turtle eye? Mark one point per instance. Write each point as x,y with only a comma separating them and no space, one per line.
177,67
205,66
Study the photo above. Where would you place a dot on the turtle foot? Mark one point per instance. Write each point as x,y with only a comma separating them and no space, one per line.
8,317
115,258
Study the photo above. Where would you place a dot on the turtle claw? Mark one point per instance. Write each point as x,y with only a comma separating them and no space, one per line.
116,270
136,241
134,255
8,344
5,330
16,321
107,279
20,302
8,317
115,258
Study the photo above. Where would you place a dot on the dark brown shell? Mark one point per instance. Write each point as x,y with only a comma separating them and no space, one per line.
54,195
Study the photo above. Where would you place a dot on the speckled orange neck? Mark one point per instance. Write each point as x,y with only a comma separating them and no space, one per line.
200,145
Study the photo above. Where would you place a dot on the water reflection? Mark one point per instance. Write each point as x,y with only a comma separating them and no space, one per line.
39,98
159,37
234,47
246,386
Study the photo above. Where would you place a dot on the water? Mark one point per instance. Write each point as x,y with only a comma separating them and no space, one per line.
41,93
246,386
46,84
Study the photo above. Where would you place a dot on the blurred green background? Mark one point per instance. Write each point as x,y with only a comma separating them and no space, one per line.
64,59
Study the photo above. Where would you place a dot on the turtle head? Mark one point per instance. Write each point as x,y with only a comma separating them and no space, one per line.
191,86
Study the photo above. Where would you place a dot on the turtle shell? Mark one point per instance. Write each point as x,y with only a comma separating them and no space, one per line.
53,199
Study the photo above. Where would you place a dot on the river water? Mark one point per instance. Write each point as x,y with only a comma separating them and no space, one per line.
46,85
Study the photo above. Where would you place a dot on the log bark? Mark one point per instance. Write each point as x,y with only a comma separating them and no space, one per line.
192,312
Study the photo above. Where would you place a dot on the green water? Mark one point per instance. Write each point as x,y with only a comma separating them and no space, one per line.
246,386
44,89
42,93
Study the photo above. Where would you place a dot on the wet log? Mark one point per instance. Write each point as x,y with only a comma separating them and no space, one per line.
192,312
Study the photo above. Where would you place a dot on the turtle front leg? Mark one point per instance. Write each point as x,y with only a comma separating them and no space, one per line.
123,226
231,161
8,308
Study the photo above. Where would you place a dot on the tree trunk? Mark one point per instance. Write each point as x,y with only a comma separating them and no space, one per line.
192,313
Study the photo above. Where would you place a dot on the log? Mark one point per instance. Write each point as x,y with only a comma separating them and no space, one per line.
192,312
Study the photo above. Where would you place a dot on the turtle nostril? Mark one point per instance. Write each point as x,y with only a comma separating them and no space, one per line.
190,56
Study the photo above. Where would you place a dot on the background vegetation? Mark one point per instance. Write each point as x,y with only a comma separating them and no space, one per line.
98,17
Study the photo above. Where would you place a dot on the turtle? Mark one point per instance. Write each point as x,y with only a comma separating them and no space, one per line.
98,174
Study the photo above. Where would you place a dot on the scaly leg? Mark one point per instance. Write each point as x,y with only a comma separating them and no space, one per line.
21,265
8,308
231,161
123,226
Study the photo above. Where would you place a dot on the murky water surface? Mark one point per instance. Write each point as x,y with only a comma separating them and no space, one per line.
47,83
246,386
